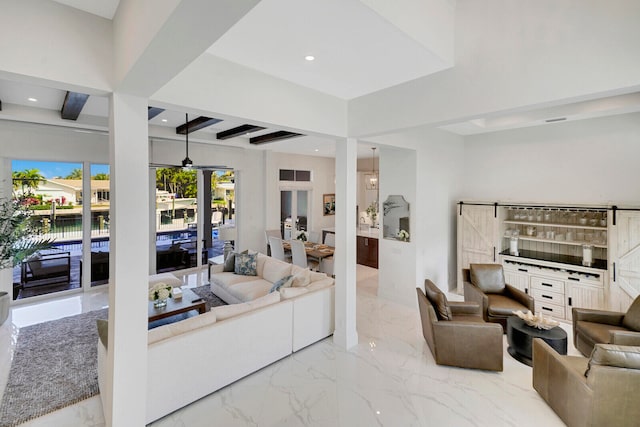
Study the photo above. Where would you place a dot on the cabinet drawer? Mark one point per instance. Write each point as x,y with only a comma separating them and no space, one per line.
547,297
556,311
548,285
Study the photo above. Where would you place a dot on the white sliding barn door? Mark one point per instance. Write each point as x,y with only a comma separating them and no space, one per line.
625,256
477,236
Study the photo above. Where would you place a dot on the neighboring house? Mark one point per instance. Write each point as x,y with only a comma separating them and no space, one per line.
69,191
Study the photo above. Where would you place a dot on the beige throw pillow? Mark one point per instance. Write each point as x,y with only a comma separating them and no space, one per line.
302,278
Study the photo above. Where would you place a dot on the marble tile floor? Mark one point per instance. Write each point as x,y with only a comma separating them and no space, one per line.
388,379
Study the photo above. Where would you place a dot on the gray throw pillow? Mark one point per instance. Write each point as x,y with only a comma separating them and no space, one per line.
285,282
230,262
621,356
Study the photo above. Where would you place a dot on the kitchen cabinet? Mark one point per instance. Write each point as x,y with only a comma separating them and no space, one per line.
367,251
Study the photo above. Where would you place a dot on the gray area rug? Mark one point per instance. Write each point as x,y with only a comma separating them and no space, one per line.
55,365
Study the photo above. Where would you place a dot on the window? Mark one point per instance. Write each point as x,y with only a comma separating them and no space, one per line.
294,175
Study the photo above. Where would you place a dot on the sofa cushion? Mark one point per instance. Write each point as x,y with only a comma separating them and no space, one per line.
172,329
621,356
596,332
315,276
320,284
631,319
246,264
226,311
167,278
301,278
438,300
249,290
224,280
503,306
489,278
274,270
287,293
285,282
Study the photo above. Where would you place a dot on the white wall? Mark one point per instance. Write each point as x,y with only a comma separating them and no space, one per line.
514,55
588,162
63,46
323,182
437,182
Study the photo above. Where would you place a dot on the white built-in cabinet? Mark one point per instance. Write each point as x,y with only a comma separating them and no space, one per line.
549,263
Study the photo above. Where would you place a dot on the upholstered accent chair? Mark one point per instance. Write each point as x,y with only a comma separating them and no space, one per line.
456,333
484,284
591,327
587,392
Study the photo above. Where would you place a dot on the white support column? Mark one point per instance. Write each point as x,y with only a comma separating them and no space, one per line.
153,221
200,217
126,386
86,226
346,335
6,187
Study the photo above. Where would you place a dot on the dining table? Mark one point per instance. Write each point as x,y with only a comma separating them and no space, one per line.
317,251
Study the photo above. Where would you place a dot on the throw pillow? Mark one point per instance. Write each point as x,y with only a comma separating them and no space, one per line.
246,264
230,262
285,282
103,332
302,278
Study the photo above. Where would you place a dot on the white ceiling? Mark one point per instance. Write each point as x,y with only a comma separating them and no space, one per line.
357,51
104,8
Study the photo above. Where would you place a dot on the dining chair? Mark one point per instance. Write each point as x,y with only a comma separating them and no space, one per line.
277,250
327,265
273,232
299,255
314,236
330,239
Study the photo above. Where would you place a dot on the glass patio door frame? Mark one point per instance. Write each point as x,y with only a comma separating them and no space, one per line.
294,189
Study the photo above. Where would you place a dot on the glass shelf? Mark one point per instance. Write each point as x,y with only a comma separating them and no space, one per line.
553,224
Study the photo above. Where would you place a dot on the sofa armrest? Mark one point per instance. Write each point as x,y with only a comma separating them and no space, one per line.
522,297
469,344
465,307
216,268
473,294
625,338
597,316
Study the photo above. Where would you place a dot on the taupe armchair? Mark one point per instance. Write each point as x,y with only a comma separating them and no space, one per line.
591,327
484,284
456,333
587,392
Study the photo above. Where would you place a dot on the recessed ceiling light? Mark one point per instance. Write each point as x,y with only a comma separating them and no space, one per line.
316,150
32,100
309,57
164,120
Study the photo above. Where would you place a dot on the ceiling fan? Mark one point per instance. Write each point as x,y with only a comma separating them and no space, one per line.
187,163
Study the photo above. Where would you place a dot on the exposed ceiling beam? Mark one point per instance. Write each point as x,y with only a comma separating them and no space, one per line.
237,131
73,105
274,136
196,124
154,111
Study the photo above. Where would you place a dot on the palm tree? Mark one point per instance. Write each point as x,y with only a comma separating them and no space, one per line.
28,179
18,234
101,177
75,174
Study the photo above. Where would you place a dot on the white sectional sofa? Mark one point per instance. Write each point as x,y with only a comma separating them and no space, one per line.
190,359
234,288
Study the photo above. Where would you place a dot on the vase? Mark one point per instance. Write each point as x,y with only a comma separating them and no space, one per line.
159,303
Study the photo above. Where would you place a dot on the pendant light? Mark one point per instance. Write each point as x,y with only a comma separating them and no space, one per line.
187,164
372,178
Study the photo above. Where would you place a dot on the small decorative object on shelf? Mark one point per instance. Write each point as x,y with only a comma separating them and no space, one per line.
513,246
537,320
587,255
302,235
159,294
403,235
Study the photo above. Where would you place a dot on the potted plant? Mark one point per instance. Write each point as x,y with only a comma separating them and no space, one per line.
19,239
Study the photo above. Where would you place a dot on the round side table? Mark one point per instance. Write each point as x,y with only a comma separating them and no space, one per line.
520,338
